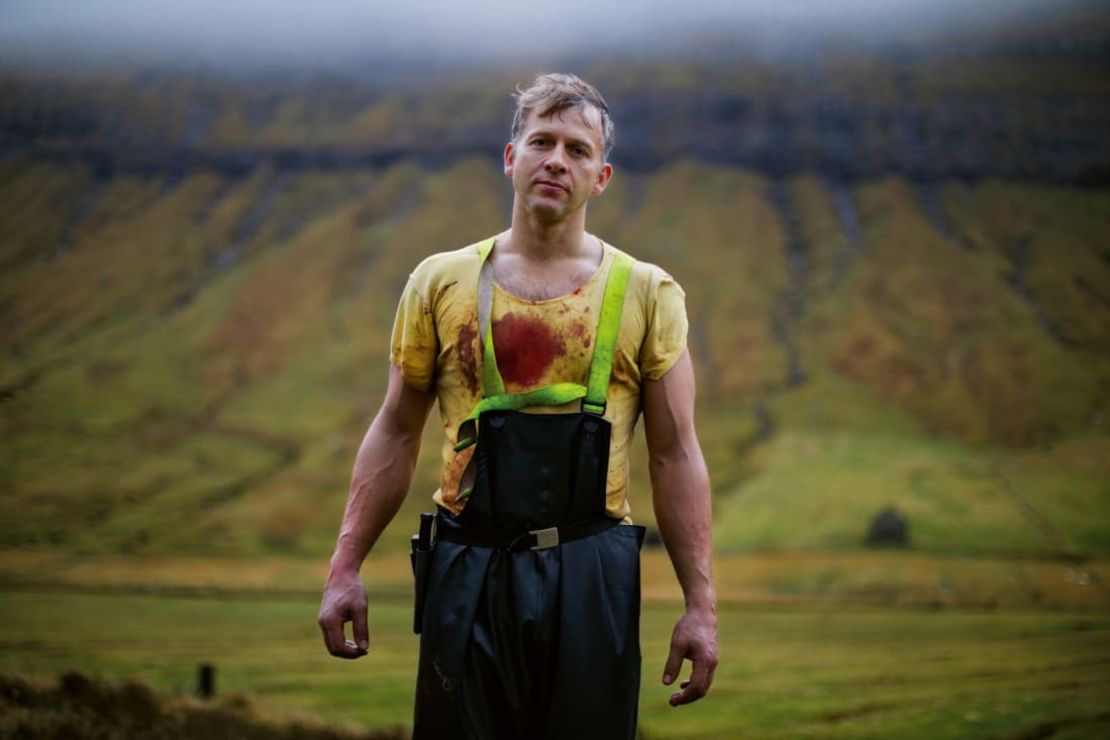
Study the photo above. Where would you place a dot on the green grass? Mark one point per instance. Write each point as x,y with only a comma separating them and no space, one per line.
785,672
819,486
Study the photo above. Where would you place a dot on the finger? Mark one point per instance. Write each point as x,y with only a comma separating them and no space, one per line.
361,629
686,696
336,641
696,687
674,661
325,628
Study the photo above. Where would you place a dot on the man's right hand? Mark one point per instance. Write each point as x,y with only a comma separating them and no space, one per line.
344,601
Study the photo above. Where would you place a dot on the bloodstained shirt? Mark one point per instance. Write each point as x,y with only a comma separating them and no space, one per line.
537,342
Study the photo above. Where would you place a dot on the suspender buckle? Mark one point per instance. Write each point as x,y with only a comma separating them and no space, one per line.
594,408
545,538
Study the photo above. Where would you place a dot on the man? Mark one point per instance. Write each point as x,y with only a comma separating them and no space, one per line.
542,345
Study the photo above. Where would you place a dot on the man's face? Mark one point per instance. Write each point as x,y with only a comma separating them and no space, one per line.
556,162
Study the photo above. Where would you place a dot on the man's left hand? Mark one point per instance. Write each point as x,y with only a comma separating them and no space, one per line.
694,638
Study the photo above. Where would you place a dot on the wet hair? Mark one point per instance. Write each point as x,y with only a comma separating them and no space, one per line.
552,93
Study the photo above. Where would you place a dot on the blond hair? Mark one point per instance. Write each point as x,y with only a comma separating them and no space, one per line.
551,93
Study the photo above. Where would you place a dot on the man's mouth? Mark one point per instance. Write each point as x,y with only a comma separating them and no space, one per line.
551,184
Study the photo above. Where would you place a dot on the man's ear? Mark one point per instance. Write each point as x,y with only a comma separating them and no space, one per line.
509,153
603,178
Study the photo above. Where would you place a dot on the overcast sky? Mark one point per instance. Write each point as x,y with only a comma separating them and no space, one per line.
334,31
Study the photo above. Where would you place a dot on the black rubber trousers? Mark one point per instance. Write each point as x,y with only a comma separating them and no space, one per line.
540,643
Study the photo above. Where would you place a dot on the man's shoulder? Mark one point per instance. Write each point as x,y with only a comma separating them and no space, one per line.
650,273
443,268
646,277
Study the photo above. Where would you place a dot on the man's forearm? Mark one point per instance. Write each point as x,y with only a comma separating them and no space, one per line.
683,512
381,479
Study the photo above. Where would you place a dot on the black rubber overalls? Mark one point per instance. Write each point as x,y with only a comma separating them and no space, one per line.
530,626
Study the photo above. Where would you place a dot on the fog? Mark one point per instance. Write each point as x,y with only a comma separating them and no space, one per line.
340,32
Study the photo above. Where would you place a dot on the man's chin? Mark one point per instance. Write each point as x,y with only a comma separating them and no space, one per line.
547,210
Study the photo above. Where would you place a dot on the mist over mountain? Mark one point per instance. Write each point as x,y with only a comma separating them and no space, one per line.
843,115
349,36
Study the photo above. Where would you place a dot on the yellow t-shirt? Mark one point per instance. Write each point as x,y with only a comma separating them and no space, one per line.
435,343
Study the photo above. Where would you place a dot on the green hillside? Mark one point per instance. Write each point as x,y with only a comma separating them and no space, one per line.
192,362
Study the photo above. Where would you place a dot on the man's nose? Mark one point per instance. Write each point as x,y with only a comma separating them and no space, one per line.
556,159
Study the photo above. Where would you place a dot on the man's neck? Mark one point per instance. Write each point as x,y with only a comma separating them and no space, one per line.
546,241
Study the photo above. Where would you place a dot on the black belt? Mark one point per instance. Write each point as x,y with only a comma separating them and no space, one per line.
526,539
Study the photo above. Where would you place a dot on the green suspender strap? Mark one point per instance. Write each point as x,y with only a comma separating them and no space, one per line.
593,394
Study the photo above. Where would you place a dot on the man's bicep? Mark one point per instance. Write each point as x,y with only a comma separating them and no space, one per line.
405,407
668,407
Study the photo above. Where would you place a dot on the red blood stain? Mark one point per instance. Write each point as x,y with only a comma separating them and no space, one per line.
580,331
467,350
525,348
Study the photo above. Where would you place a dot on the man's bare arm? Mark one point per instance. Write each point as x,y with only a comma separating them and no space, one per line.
680,492
381,478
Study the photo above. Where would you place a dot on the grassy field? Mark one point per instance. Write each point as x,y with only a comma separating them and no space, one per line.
857,644
785,671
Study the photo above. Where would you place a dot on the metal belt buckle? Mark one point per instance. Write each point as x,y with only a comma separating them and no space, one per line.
545,538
